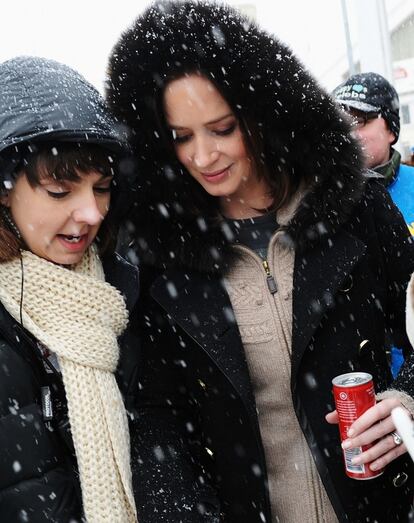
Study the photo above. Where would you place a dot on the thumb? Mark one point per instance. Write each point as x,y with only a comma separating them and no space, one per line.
332,417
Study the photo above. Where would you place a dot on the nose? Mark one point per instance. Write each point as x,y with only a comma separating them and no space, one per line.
87,210
205,152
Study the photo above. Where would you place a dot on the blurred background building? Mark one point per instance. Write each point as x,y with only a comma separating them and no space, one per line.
402,57
378,35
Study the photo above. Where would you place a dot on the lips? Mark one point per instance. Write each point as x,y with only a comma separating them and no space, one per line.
216,176
73,242
72,239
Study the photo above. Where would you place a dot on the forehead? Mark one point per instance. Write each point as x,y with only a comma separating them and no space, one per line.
76,176
80,178
193,94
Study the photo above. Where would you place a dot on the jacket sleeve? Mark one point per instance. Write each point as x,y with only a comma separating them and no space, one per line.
168,478
36,483
397,248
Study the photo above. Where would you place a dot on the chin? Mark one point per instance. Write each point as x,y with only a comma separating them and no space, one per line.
66,259
219,192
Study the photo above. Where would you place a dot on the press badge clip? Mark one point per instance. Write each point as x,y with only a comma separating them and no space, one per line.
47,406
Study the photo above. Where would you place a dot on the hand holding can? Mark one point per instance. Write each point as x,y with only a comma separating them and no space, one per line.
354,394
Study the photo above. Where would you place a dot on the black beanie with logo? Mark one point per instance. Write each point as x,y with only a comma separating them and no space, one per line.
371,92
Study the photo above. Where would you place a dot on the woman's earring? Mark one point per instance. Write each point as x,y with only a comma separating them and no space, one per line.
10,222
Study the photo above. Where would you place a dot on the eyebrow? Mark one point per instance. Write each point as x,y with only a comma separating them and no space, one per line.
217,120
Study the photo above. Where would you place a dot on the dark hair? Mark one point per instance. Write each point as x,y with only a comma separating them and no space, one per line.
282,186
62,161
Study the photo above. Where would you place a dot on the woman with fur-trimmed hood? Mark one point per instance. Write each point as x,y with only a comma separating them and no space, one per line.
270,264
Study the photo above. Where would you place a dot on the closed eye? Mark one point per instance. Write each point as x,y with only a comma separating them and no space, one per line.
180,139
57,195
103,190
218,132
227,131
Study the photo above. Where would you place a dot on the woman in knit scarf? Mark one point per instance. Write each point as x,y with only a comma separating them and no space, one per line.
64,436
271,263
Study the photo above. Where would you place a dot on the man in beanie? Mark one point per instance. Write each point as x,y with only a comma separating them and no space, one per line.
374,106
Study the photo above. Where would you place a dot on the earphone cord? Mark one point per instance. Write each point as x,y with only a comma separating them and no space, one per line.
21,291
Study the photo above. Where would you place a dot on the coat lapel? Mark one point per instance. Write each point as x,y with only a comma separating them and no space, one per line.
319,274
201,306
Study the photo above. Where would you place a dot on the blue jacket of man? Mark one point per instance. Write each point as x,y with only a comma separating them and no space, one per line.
401,190
400,184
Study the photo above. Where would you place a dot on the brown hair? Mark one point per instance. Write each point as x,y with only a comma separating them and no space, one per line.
281,183
62,161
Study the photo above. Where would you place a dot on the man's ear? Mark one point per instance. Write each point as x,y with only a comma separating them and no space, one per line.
391,137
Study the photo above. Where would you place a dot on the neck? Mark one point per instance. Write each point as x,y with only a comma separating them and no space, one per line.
390,167
247,203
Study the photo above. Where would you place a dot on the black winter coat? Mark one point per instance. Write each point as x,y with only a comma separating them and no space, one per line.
198,424
38,472
197,446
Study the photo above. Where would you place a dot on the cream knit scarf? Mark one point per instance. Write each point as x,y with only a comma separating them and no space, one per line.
78,315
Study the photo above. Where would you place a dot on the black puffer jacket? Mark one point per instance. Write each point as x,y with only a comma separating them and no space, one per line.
38,471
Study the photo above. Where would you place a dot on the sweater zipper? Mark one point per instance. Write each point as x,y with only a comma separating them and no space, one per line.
271,282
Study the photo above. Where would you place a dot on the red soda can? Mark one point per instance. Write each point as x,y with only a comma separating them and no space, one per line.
354,394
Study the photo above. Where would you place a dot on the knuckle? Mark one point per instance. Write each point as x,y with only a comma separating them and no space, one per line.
395,453
386,458
390,443
366,455
386,406
402,449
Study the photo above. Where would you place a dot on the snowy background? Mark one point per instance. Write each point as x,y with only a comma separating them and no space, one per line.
81,33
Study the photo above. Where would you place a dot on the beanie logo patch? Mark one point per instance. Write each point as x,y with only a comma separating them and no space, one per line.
358,88
355,91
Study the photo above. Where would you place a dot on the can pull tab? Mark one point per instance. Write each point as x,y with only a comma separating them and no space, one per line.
47,405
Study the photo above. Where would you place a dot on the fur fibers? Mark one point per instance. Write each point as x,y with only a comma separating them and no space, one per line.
176,223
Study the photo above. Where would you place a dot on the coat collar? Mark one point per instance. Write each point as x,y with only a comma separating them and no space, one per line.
205,245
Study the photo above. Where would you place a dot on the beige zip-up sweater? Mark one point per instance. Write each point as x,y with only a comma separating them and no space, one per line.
265,323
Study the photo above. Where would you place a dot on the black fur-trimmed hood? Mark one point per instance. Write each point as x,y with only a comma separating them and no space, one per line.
303,130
